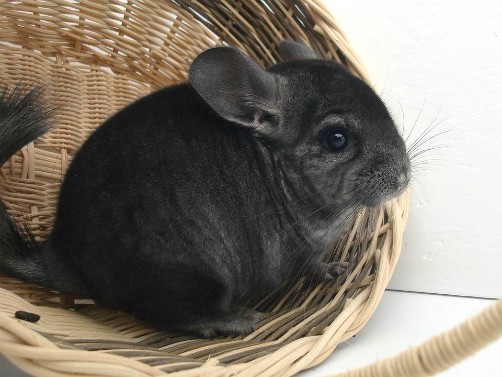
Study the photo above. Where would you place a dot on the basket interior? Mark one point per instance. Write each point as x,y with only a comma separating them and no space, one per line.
93,58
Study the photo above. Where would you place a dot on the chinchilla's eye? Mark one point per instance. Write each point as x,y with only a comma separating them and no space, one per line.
336,140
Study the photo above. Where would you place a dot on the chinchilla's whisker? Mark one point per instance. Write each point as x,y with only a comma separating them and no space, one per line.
400,125
424,161
335,214
304,218
335,234
418,143
415,179
424,167
317,210
289,246
302,271
306,265
402,117
433,124
298,255
427,150
426,141
273,210
416,120
200,302
369,191
296,251
291,281
285,208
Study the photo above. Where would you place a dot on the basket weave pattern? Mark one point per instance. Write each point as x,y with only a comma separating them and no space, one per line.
93,58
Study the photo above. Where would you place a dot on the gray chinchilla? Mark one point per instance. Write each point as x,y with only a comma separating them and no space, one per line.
194,199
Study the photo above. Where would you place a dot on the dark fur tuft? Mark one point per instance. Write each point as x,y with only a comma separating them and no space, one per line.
19,252
23,118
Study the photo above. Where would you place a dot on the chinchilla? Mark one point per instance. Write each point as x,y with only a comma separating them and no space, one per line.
201,196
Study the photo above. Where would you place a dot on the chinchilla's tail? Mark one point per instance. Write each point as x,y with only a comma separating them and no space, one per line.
23,118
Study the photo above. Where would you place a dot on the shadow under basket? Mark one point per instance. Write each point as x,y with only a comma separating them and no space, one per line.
93,58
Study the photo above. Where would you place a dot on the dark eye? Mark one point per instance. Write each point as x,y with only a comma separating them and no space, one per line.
336,140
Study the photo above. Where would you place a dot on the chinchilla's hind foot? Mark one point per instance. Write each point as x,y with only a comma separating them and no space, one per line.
241,322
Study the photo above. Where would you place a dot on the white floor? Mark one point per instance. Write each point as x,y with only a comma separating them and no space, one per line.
402,320
405,319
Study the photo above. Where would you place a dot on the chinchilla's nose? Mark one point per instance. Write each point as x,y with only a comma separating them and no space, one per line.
404,176
402,179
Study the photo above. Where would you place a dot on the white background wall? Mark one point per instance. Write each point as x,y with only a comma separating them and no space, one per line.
444,57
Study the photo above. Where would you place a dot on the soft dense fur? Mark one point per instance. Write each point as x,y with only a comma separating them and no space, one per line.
202,196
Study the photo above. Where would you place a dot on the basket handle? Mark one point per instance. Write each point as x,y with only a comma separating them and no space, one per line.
439,352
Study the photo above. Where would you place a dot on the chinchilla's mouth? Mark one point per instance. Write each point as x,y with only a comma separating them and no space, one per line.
384,187
385,196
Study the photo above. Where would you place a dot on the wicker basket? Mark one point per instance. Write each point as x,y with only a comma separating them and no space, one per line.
94,57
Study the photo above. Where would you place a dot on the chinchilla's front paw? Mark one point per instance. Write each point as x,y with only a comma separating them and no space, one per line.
328,271
335,269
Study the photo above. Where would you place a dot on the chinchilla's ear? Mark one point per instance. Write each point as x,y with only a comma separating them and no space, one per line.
290,50
236,87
